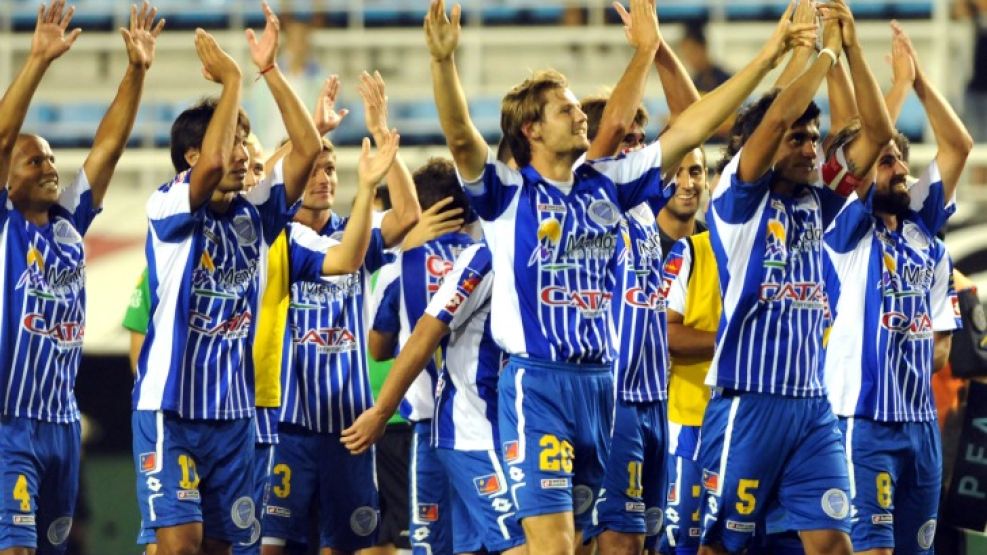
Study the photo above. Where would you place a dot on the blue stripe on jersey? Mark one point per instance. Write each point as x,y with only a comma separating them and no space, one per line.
639,321
768,250
326,383
881,283
422,271
466,393
553,251
266,425
43,305
205,273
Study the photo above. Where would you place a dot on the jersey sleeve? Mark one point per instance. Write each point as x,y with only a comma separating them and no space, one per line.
736,201
387,300
851,224
944,303
637,177
377,254
5,205
138,313
169,211
306,252
465,289
928,200
675,274
76,203
492,192
270,198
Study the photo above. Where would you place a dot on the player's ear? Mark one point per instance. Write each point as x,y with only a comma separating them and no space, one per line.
531,130
192,156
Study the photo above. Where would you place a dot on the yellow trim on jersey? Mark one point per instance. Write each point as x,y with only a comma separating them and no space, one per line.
272,323
687,392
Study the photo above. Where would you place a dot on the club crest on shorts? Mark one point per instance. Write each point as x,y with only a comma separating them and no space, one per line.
59,530
582,499
653,519
835,504
242,512
926,534
364,520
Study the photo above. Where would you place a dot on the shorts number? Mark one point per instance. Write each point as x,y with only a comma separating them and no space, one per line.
747,501
634,487
284,488
883,490
190,476
555,455
21,494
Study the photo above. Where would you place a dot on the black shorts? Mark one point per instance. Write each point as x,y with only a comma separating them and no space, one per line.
393,451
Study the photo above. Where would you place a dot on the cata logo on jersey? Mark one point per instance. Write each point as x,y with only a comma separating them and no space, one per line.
325,340
591,303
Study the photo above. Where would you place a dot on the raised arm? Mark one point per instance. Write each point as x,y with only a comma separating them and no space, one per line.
410,362
305,141
805,12
790,104
48,43
952,138
700,119
348,255
217,143
406,211
680,91
466,144
641,27
118,122
902,76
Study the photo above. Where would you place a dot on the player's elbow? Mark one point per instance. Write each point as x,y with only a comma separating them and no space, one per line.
380,346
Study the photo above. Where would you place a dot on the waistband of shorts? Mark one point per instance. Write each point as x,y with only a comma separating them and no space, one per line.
422,426
560,366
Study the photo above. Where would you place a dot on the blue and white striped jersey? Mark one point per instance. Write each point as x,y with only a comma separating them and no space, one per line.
205,272
266,425
639,324
421,272
769,255
553,251
890,291
466,394
43,305
325,384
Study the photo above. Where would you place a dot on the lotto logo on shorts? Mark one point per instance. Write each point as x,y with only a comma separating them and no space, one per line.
882,519
555,483
487,485
511,451
711,481
634,507
428,512
23,520
743,527
188,495
274,510
149,461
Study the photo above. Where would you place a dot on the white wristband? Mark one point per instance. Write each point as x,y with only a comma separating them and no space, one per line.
829,52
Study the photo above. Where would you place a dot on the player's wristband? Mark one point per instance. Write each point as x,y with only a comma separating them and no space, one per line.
263,71
829,52
837,177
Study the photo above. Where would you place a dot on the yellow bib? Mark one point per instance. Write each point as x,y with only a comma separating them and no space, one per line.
687,392
272,323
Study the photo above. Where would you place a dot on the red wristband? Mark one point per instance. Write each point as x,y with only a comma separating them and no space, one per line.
265,70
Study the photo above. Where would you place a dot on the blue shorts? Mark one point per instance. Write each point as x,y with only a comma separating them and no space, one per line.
39,478
430,527
684,492
630,499
194,471
555,426
761,451
896,475
263,461
315,470
482,511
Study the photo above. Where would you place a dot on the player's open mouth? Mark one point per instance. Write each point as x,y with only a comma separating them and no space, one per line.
50,185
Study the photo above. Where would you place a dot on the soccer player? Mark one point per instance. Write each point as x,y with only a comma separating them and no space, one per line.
326,384
552,229
42,224
766,221
889,281
207,248
428,254
464,425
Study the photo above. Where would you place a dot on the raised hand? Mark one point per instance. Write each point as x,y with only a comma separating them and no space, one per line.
50,40
640,24
434,223
788,35
899,34
441,32
141,37
373,167
833,35
217,65
264,51
805,12
838,10
902,64
371,90
326,117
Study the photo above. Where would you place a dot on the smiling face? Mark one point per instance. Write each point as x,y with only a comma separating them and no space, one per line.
320,191
255,165
33,180
690,181
562,128
890,182
795,160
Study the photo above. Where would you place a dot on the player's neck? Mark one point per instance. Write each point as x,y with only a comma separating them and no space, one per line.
890,220
783,187
315,219
675,226
36,214
555,166
221,201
